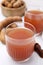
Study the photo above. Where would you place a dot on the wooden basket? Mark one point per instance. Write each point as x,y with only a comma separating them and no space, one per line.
13,11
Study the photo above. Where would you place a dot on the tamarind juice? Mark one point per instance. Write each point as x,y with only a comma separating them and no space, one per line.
36,19
20,43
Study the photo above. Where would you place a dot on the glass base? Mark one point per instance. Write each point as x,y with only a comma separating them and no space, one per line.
22,61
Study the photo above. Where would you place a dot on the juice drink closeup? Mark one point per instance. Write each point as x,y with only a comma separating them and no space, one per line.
35,18
20,42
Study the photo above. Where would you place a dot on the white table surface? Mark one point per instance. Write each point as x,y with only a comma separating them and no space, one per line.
35,59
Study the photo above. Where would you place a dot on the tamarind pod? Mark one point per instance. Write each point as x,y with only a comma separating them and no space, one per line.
2,35
9,0
13,1
17,18
22,2
1,26
5,3
9,20
38,49
13,25
17,4
9,5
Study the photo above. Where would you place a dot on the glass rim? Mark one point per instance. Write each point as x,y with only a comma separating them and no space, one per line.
21,27
29,12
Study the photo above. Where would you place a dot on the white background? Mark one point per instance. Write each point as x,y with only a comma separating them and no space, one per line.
35,59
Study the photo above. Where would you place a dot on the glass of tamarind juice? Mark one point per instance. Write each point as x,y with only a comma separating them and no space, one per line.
20,41
35,17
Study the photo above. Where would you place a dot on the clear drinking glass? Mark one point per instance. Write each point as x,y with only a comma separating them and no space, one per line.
33,18
20,41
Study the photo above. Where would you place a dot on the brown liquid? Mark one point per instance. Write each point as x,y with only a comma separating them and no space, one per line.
35,18
20,52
